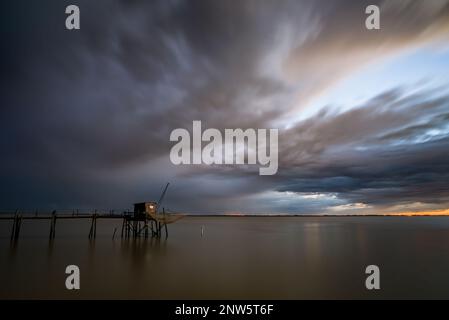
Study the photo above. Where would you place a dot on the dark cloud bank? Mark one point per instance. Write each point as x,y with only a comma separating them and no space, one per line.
86,115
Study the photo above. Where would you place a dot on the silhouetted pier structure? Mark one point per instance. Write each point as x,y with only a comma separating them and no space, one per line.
134,224
143,221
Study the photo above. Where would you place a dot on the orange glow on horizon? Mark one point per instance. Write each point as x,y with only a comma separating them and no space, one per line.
234,213
440,212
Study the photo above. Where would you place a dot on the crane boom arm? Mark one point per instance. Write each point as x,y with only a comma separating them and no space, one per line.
162,195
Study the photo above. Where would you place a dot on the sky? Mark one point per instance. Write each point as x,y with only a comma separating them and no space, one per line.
363,115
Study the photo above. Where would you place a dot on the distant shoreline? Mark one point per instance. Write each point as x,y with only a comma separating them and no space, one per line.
307,215
10,215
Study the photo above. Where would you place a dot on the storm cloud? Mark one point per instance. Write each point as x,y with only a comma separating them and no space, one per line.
86,115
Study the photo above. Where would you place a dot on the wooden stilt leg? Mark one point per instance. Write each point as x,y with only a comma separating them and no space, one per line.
165,224
13,231
95,226
17,226
146,229
91,231
54,225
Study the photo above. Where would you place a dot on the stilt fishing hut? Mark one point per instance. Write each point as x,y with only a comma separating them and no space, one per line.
148,218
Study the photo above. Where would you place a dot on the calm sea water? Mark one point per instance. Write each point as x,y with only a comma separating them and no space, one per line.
236,258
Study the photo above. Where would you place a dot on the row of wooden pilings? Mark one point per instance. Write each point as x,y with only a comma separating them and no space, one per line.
17,224
136,228
131,228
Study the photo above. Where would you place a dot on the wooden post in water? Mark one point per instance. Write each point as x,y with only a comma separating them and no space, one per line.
146,228
91,231
18,226
13,231
53,225
152,229
126,229
165,223
123,226
91,226
95,224
134,229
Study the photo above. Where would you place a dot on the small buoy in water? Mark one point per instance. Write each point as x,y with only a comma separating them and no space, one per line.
202,231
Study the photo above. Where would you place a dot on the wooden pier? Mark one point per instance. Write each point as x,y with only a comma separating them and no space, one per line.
144,221
133,226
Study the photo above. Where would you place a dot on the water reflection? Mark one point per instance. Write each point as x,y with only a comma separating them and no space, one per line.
13,244
240,258
51,245
141,251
